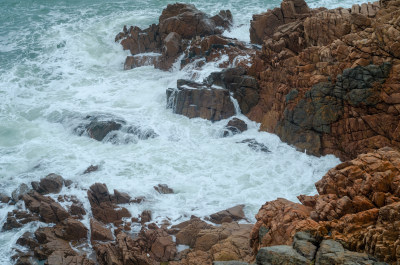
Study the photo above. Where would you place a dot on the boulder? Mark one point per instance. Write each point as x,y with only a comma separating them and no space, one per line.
91,169
229,215
122,197
163,189
98,232
282,255
4,198
196,100
18,218
235,126
52,183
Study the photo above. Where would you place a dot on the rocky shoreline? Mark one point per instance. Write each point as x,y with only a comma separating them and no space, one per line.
325,81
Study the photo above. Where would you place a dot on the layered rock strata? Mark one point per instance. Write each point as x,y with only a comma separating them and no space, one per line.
358,205
329,79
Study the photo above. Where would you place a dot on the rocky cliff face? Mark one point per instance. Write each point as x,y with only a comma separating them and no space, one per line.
329,79
358,204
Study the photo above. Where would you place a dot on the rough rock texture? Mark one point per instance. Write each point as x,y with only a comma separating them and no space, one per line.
45,207
163,189
99,232
358,205
329,79
197,100
52,183
103,204
227,216
178,24
18,218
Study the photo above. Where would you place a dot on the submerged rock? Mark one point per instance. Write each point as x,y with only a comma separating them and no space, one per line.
163,189
256,146
235,126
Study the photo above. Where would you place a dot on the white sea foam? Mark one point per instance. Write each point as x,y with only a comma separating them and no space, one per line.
67,62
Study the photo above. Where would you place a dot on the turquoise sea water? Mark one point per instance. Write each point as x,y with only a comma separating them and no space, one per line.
58,60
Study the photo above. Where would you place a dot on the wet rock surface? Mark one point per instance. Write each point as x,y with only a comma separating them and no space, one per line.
328,78
178,24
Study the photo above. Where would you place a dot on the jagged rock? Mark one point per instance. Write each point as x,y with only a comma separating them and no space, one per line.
18,218
328,78
28,240
48,210
122,197
196,100
178,23
358,204
235,126
163,189
52,183
229,215
282,255
17,194
103,204
99,232
91,169
77,209
305,245
244,87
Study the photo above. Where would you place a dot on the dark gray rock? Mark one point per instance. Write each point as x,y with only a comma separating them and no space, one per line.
196,100
163,189
305,248
256,146
91,169
17,194
231,262
332,252
244,88
280,255
235,126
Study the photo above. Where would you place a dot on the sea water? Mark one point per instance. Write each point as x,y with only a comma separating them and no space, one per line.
59,63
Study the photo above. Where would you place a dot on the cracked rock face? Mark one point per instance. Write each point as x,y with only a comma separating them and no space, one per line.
329,79
358,204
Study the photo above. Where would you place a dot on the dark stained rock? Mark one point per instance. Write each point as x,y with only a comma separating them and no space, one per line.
305,245
99,232
91,169
163,189
103,204
196,100
256,146
229,215
99,125
28,240
52,183
244,87
235,126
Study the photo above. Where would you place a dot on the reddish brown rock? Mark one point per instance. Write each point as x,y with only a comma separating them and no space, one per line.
163,189
103,204
48,210
329,77
98,232
178,23
358,205
229,215
18,218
